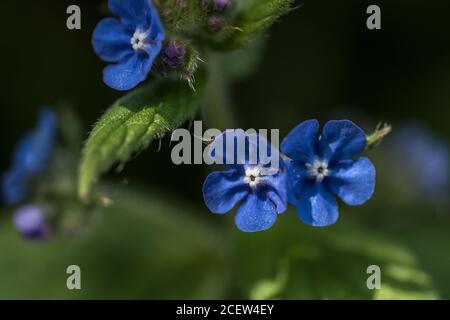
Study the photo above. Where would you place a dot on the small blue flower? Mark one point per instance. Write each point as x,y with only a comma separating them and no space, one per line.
131,43
321,167
30,222
30,158
260,187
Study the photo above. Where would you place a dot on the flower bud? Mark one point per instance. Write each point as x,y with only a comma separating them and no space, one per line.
220,5
174,53
30,222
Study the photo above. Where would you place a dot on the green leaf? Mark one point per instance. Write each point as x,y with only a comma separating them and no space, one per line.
132,123
328,263
180,16
160,249
255,17
270,288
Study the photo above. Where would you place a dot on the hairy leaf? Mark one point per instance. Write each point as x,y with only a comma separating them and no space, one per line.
255,17
132,123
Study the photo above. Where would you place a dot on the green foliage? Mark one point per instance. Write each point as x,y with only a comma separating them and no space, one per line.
181,16
164,249
254,18
271,288
294,261
159,249
242,63
153,111
242,22
132,123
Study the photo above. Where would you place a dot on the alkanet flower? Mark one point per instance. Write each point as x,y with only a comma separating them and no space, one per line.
30,158
322,167
131,43
258,187
30,221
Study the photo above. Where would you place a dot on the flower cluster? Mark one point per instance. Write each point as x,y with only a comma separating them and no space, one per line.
131,42
30,159
135,45
316,168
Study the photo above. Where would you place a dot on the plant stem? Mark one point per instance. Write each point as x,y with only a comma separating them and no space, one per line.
217,98
382,130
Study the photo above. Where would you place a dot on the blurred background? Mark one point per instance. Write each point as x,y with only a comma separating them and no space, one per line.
158,240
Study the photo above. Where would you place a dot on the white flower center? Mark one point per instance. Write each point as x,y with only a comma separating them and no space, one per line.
318,169
138,41
252,176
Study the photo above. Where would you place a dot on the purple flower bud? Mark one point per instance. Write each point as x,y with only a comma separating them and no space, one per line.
174,53
30,222
220,5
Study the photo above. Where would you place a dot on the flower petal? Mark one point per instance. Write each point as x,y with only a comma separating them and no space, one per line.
236,147
301,143
156,27
317,206
296,176
35,149
353,181
256,213
44,140
132,12
341,139
128,73
227,146
223,190
111,41
276,189
153,50
23,153
14,187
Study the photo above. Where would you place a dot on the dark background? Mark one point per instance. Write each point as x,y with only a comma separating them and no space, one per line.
320,61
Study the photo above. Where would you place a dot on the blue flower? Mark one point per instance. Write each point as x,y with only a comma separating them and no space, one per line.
257,185
30,222
131,43
30,158
321,167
